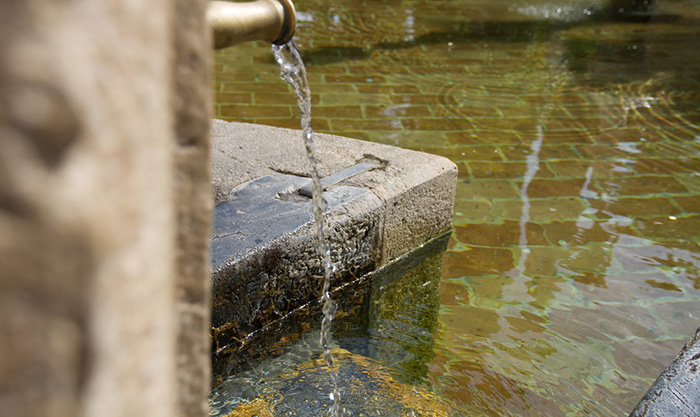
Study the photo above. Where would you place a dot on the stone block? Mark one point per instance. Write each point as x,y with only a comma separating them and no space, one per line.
267,265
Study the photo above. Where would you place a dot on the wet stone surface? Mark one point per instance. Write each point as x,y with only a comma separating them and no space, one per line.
266,263
266,209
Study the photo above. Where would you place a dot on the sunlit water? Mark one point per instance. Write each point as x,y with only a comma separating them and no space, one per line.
573,274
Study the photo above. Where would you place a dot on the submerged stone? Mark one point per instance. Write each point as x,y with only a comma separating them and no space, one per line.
367,389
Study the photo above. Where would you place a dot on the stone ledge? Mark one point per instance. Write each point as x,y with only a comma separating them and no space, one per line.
416,189
374,217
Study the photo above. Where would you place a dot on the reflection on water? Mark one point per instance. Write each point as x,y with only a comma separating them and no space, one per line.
573,273
384,344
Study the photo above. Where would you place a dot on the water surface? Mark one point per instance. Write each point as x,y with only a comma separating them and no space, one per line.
572,277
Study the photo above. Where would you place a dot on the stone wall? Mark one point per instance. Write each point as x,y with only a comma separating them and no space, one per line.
104,208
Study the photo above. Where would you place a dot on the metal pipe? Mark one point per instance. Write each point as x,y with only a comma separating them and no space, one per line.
261,20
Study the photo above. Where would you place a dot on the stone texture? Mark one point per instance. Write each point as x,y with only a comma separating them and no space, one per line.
405,201
191,107
258,287
416,189
103,132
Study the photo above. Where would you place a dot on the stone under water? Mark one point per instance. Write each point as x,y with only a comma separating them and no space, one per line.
368,388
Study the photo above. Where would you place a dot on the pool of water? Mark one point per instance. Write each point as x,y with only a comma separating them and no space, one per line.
572,277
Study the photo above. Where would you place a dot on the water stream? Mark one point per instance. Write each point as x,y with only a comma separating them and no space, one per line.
293,72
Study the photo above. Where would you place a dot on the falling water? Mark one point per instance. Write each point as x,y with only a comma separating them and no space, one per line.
293,72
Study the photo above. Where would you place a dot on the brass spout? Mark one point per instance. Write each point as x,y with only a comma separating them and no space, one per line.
260,20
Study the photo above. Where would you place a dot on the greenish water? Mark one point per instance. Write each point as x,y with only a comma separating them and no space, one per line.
572,277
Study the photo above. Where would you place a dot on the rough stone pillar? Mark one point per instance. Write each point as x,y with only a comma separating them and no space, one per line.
192,109
102,283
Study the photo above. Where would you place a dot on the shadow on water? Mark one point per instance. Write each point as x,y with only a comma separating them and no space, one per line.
401,314
487,31
327,55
